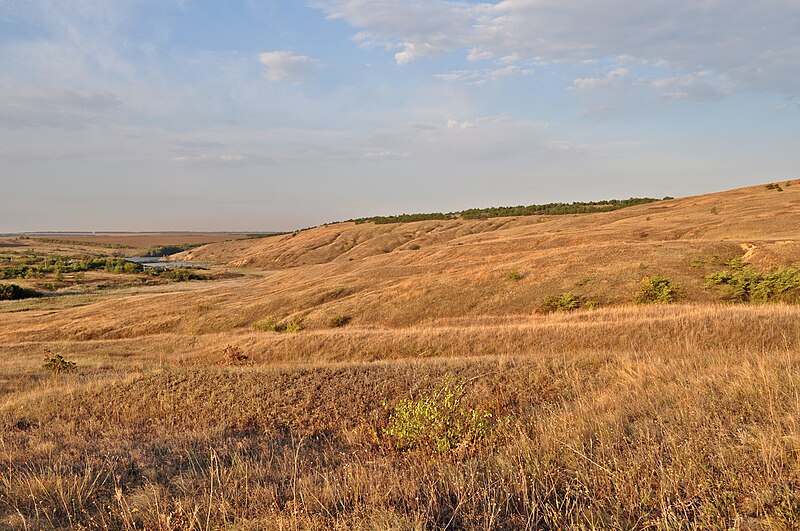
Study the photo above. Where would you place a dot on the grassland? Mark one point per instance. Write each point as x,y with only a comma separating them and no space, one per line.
422,387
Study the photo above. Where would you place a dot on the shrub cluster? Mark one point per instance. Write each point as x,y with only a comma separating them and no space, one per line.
774,186
438,421
742,283
656,290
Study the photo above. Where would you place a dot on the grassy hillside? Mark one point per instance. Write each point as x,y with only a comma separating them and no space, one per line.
407,376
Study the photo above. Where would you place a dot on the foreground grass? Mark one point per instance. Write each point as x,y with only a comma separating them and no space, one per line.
672,436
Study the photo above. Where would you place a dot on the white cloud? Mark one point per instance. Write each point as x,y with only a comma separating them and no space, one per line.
284,65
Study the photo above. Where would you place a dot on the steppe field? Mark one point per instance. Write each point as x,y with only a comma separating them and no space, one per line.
633,369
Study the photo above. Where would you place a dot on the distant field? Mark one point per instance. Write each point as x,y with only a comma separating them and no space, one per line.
142,240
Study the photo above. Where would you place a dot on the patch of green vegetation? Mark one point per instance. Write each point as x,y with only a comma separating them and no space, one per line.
549,209
58,365
566,302
774,186
656,289
438,421
741,283
12,292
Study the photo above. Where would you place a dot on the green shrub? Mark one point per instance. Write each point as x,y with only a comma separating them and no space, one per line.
58,365
656,290
774,186
742,283
514,275
438,421
10,292
566,302
337,321
591,305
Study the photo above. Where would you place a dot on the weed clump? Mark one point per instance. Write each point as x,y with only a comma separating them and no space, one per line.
437,421
774,186
742,283
338,321
566,302
58,365
656,290
232,356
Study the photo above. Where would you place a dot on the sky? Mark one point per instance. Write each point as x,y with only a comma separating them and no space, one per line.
263,115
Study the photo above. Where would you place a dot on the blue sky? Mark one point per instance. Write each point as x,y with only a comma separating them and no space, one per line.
274,115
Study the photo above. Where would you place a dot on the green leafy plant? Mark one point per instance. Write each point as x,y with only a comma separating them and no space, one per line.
656,290
58,365
437,421
566,302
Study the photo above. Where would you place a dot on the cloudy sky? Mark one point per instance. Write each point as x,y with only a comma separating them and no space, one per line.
259,114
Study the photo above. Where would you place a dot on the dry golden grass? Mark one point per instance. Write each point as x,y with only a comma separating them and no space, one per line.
683,416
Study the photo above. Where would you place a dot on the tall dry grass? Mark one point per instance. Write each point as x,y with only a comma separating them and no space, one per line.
694,427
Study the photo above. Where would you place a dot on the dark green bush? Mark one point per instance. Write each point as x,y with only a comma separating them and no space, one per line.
10,292
656,290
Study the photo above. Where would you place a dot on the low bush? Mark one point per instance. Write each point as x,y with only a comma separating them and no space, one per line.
437,421
566,302
58,365
656,290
